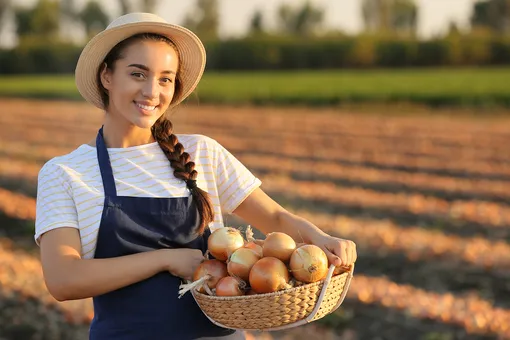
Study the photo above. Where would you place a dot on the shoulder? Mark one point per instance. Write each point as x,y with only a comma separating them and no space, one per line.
57,165
198,142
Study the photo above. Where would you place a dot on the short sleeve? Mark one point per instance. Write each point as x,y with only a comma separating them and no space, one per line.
235,182
55,206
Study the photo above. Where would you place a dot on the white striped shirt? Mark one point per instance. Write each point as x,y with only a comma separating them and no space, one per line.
70,189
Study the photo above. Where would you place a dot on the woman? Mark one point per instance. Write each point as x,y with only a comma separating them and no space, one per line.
124,218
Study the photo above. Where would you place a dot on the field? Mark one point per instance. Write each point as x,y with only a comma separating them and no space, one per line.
424,197
437,87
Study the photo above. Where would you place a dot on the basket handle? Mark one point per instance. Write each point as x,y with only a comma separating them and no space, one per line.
321,296
346,288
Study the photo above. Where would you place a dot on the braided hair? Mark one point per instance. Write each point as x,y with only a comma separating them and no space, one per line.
162,131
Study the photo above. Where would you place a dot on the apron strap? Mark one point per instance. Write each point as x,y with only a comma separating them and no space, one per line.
105,165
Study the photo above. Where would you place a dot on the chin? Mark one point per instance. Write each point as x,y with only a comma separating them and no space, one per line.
145,123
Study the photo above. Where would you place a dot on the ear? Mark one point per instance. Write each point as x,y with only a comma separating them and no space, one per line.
106,76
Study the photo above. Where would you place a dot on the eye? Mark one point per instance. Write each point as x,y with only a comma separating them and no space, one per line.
167,80
138,75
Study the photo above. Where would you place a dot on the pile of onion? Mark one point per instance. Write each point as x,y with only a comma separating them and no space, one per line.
246,266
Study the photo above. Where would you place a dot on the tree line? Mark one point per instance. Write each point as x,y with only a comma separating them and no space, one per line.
389,38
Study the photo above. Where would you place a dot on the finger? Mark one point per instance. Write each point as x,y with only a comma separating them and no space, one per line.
354,252
335,254
344,254
340,250
348,249
332,258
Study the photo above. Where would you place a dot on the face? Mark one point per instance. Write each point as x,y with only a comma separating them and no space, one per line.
142,84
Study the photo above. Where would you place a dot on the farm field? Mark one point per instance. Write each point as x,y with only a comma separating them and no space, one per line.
460,87
426,199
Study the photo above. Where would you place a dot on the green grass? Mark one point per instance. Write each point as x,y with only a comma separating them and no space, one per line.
433,87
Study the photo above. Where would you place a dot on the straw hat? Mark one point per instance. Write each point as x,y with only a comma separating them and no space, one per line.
190,48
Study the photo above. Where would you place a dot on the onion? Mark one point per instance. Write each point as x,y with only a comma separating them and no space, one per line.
215,269
224,241
241,262
230,286
279,245
309,263
255,247
269,275
251,292
259,242
252,242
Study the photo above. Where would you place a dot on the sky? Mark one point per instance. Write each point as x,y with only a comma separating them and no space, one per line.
434,15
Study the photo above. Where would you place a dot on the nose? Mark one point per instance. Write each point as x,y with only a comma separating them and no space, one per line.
150,88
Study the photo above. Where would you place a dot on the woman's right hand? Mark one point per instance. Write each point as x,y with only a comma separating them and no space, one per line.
183,262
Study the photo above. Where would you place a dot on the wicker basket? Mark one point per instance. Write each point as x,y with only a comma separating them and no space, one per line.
280,310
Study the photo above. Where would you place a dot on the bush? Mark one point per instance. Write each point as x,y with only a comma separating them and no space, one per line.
265,52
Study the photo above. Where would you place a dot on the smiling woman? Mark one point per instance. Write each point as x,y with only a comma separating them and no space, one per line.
126,217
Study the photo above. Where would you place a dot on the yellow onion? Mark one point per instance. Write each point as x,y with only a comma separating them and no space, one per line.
215,269
279,245
254,246
309,263
241,261
268,275
223,242
230,286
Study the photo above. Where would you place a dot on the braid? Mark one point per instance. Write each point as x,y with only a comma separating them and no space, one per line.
183,168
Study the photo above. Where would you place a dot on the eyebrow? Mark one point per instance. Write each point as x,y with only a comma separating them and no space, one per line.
146,68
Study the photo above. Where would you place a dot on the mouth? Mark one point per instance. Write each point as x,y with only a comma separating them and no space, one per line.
146,109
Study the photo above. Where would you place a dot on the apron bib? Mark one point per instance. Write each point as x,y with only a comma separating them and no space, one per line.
149,309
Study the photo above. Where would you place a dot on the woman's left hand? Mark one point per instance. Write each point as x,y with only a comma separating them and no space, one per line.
340,252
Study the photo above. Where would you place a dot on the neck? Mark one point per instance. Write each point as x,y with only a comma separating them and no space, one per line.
118,136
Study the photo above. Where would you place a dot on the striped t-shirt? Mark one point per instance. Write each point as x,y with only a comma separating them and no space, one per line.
70,189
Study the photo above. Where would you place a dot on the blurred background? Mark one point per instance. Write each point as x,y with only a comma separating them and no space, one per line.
381,121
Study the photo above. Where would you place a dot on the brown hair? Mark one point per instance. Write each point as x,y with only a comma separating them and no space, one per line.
162,131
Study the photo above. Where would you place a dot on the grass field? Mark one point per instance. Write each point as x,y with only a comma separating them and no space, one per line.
424,198
433,87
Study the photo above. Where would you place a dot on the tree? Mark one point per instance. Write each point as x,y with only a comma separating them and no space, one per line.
256,23
492,14
204,19
68,8
404,17
125,6
42,20
5,5
300,21
390,16
93,17
149,5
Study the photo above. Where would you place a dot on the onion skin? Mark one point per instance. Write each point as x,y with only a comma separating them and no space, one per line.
255,247
230,286
269,275
215,268
279,245
241,262
309,263
223,242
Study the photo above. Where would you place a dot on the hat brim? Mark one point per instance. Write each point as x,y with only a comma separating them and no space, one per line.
191,54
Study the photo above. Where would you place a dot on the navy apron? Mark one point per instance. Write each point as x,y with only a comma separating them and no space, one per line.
149,309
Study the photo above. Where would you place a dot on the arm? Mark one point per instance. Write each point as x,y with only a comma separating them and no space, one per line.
69,277
266,215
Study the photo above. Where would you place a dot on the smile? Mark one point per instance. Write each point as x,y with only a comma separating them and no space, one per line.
146,107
